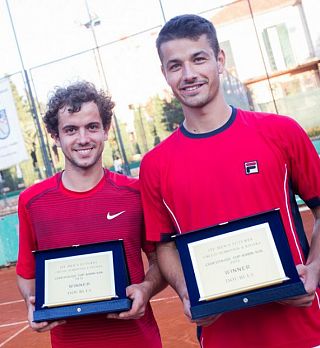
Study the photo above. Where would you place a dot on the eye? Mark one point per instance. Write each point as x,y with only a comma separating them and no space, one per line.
174,67
70,130
93,126
199,60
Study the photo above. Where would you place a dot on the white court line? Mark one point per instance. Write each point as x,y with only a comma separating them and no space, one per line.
12,324
164,299
13,336
11,302
304,208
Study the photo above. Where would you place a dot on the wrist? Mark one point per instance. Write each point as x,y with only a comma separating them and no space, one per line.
29,301
146,288
183,294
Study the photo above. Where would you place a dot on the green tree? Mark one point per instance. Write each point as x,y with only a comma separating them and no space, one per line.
172,114
155,120
154,110
314,132
29,135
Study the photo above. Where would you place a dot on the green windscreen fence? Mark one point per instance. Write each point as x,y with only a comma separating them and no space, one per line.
8,239
316,144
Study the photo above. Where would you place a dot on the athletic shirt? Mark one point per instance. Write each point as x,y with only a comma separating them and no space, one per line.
256,162
51,216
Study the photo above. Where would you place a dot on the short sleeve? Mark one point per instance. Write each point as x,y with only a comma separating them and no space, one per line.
304,165
159,226
27,243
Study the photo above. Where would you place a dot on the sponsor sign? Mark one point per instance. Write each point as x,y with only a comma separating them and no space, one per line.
12,147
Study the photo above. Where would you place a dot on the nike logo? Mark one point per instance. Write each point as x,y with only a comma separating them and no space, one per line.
110,217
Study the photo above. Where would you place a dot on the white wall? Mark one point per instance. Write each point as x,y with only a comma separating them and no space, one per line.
245,45
312,12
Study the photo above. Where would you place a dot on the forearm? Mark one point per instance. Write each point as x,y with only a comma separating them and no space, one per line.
153,282
314,253
26,288
170,266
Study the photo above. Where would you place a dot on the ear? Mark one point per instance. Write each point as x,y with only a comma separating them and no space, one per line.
56,139
106,133
221,60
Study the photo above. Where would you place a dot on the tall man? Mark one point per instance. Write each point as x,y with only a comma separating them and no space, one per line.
177,197
73,207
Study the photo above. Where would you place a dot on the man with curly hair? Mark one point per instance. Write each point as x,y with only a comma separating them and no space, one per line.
74,207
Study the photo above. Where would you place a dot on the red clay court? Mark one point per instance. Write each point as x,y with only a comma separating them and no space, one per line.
176,331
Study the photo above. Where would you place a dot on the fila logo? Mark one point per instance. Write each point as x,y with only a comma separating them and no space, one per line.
113,216
251,167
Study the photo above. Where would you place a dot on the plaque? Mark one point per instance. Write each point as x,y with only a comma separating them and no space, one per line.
238,264
81,280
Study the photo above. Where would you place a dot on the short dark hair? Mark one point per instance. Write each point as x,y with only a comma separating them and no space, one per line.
73,96
188,26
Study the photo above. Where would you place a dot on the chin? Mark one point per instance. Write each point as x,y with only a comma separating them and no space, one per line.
84,165
195,105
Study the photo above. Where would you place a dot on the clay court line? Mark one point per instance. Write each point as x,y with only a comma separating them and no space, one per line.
11,302
13,336
12,324
164,298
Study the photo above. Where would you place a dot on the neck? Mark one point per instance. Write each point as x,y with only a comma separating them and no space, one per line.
206,119
81,180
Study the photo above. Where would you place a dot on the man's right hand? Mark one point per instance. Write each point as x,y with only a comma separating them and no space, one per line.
44,325
200,322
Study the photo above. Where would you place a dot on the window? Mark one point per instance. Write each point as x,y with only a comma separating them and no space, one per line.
230,63
278,47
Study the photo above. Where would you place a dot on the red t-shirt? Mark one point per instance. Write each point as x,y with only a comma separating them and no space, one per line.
254,163
50,216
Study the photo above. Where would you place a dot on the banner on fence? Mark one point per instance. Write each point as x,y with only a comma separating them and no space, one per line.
12,147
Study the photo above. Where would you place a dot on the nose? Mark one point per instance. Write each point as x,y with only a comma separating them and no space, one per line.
188,72
83,137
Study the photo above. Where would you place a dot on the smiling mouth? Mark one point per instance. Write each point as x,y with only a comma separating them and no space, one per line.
192,87
84,151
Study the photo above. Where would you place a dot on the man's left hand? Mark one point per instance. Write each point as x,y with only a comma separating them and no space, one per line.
139,296
310,278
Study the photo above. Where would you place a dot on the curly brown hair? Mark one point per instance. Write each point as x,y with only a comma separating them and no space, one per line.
73,96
